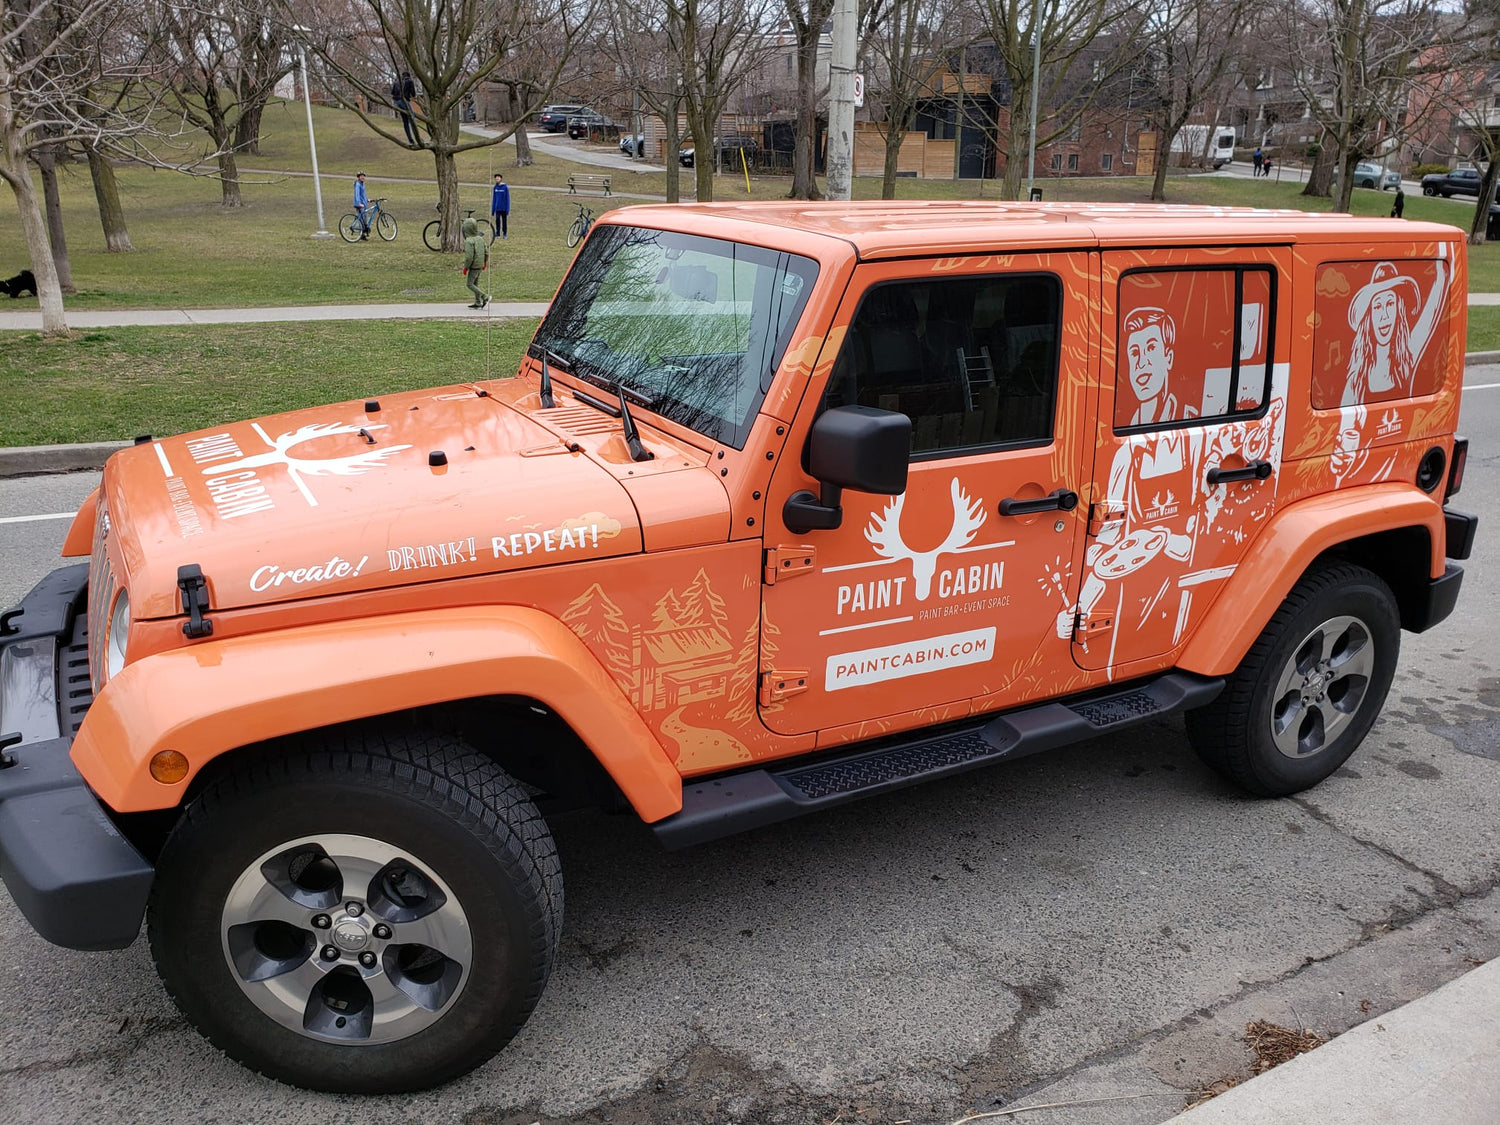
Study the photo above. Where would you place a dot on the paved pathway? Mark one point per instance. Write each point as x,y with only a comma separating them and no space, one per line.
31,320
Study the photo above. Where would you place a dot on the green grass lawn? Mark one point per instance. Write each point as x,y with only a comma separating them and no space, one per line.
112,384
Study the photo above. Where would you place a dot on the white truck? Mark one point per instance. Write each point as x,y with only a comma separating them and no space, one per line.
1192,141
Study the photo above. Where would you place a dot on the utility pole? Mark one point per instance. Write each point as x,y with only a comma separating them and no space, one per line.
840,164
1036,81
322,231
958,112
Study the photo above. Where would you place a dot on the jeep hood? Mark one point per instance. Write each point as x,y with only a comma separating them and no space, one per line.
433,484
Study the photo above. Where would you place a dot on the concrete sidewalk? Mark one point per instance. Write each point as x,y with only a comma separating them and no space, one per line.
114,318
1436,1059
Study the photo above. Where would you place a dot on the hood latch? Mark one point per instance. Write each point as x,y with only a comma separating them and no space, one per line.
194,589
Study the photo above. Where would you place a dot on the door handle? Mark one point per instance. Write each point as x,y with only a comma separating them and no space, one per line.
1058,500
1256,470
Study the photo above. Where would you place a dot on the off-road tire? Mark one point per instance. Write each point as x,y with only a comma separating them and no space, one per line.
1234,734
430,796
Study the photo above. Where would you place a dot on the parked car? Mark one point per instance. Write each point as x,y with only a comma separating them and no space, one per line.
554,118
588,122
728,147
1460,181
1368,175
786,507
633,144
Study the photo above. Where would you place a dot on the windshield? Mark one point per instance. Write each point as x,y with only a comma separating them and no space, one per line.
695,326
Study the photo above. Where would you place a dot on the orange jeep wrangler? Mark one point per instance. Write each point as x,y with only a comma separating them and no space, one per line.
787,505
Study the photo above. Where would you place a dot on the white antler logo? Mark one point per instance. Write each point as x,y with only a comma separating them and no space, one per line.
281,447
884,531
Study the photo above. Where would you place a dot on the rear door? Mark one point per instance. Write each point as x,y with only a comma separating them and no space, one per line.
1188,451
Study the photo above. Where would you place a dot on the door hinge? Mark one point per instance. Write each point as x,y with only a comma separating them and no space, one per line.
1085,628
1102,513
776,686
194,589
788,562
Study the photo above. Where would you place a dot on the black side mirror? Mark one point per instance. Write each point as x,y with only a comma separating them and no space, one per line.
855,447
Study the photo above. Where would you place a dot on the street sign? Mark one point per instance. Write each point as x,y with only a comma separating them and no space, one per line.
859,90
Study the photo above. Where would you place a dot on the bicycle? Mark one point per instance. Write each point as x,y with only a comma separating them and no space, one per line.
580,225
352,228
432,233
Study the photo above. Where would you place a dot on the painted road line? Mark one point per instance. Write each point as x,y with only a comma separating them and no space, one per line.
1480,386
33,519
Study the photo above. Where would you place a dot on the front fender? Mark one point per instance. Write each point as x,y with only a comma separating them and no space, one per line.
1283,551
218,695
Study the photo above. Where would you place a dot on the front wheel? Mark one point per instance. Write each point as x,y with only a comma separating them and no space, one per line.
432,234
486,231
576,232
385,226
1309,689
371,915
350,228
1429,191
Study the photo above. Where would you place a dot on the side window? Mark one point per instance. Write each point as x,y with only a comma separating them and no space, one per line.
1381,331
1195,345
971,361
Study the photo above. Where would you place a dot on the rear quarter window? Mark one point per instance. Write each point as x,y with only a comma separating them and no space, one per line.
1380,331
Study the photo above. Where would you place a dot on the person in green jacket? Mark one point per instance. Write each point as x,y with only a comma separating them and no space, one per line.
476,258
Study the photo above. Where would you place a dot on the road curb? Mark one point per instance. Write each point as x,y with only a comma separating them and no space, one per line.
39,460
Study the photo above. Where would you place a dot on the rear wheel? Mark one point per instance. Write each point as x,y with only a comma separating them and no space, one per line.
385,226
1429,191
350,228
374,916
576,232
432,234
1310,687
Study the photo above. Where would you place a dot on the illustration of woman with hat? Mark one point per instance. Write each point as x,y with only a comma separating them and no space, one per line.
1392,327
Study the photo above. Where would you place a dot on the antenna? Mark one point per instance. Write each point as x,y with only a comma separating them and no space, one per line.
548,402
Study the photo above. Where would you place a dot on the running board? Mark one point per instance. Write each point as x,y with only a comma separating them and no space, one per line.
753,798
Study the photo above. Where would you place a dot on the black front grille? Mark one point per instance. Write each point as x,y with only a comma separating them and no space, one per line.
74,689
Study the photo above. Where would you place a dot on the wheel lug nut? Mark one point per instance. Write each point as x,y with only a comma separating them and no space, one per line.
330,953
367,959
321,921
354,910
382,931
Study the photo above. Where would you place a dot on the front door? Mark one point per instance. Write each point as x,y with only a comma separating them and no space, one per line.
924,601
1188,455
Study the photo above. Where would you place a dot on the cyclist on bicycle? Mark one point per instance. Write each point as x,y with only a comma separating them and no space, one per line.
361,202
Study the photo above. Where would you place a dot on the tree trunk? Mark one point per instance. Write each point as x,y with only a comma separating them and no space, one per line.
48,292
229,179
674,143
805,132
704,159
1163,151
1346,182
523,147
893,138
46,160
443,131
111,214
1017,126
247,129
1479,228
1320,179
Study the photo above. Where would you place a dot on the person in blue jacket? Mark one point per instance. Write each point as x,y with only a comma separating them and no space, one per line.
361,204
500,208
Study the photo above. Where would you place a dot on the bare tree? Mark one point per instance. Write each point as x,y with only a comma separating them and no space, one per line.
50,62
807,18
221,60
1078,62
1190,45
450,48
907,40
716,45
1355,62
642,39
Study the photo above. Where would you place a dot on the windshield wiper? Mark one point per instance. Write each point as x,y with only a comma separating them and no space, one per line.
548,402
638,452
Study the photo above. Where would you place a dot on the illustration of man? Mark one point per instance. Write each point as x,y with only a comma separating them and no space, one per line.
1150,343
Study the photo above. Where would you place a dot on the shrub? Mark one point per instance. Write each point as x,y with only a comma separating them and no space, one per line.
1427,170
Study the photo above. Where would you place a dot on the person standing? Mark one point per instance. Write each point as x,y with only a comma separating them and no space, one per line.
500,208
1400,204
1265,168
1256,160
361,207
403,89
476,259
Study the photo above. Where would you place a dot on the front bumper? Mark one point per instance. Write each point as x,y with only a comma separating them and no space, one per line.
77,879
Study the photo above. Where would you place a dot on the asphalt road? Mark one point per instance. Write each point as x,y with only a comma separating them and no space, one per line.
1096,923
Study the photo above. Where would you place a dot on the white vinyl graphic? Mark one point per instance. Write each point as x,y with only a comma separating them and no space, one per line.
909,658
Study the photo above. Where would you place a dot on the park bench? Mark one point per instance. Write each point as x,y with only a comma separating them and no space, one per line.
587,181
